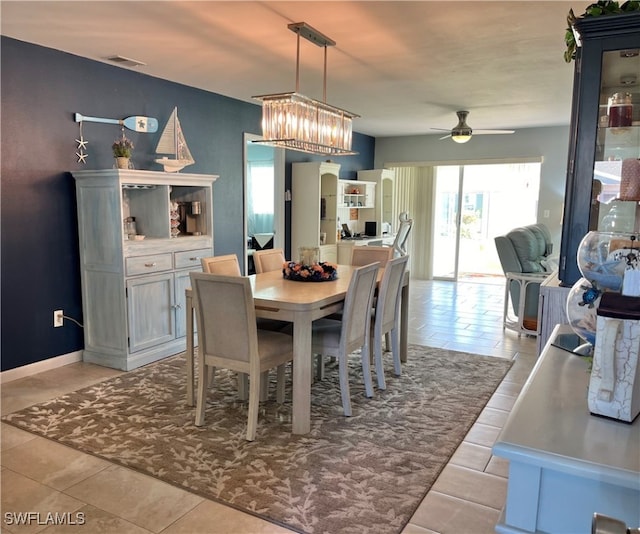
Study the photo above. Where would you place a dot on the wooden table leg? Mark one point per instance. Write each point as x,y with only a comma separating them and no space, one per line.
404,322
189,351
302,365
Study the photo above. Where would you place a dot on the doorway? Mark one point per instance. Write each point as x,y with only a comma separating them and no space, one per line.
473,204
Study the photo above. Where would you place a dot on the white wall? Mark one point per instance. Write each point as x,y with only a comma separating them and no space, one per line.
552,143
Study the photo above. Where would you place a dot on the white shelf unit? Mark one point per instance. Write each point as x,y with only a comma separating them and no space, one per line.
133,291
385,183
356,204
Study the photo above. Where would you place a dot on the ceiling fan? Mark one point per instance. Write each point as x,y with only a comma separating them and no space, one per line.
462,132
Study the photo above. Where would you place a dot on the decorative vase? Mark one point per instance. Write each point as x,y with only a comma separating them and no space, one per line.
122,163
309,255
582,305
603,258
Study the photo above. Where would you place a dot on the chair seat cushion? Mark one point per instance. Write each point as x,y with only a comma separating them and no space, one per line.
326,333
273,348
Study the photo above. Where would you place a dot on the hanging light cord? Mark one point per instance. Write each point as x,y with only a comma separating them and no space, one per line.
319,40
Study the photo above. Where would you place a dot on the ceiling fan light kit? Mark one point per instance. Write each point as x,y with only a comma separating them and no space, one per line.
297,122
462,132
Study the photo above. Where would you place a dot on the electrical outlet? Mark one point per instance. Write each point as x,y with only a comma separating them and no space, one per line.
58,318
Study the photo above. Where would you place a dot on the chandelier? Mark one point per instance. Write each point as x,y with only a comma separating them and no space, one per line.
297,122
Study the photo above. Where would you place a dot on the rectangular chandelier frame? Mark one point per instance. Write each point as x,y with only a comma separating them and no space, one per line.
297,122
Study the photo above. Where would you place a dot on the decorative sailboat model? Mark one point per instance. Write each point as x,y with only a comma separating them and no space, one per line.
172,142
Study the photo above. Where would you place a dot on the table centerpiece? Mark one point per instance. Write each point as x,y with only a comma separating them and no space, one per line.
316,272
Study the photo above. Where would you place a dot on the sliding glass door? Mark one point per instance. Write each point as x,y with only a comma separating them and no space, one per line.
447,209
473,204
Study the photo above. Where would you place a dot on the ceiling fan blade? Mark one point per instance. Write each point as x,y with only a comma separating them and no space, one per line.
485,132
445,137
441,129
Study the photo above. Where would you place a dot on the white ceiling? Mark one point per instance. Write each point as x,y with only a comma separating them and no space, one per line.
405,67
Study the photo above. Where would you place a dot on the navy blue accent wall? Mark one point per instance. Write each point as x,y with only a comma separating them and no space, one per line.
41,90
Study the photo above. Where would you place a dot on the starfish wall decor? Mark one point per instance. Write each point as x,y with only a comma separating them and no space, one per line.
81,149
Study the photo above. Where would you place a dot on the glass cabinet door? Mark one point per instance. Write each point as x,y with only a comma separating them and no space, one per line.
616,173
603,171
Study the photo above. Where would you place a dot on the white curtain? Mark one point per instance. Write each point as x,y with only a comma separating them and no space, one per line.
260,196
414,193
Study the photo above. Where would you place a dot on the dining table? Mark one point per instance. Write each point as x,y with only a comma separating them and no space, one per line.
300,303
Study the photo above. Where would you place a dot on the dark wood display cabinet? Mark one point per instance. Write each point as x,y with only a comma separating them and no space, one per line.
603,172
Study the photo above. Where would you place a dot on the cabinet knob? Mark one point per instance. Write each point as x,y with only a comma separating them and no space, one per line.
150,264
194,259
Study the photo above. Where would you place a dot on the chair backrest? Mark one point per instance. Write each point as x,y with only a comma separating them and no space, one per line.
400,242
388,303
523,249
366,255
226,265
268,260
356,319
226,317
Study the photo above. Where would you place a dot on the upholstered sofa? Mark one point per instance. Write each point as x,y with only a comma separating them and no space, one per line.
525,256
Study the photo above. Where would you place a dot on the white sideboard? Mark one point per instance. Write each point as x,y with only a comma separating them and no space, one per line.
133,292
564,463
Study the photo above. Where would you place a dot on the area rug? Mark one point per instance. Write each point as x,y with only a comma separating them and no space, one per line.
366,473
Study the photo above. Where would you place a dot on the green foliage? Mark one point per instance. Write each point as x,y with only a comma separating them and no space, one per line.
468,222
122,147
600,8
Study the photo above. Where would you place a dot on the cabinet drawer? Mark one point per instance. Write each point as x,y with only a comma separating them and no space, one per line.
148,264
191,258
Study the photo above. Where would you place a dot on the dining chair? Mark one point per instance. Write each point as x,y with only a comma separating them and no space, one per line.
365,255
268,260
229,338
387,314
228,265
336,338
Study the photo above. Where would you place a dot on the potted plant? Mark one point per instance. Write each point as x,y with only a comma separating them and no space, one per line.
600,8
122,152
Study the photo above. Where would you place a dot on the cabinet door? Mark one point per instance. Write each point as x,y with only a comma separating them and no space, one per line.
150,307
182,282
602,140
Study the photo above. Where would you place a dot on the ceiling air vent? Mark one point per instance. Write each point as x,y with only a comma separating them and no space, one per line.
126,61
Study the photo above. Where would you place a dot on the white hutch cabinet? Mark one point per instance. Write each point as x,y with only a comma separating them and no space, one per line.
385,182
133,291
314,190
321,203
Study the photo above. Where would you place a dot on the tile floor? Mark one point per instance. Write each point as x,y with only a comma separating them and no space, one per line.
42,476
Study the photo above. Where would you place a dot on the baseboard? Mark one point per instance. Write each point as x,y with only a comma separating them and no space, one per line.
39,367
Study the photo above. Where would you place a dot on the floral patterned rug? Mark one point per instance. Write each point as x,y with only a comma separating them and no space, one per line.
366,473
